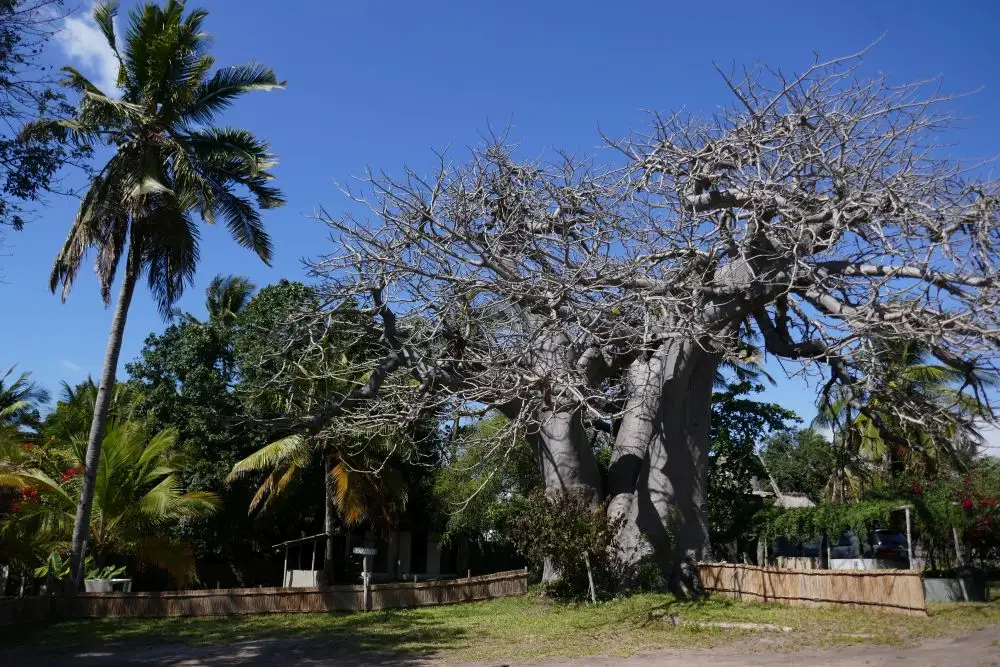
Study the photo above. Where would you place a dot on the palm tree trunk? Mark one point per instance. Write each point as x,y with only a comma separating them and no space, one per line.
329,524
81,526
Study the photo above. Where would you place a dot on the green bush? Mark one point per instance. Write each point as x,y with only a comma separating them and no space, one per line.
568,530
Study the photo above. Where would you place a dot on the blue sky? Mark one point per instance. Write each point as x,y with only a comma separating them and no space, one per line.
382,84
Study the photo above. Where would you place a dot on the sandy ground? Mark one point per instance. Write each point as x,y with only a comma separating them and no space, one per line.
978,648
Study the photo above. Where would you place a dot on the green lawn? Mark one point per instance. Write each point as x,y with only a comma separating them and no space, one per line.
529,627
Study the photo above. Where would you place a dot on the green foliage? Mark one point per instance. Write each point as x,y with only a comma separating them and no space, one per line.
92,571
28,162
138,497
191,378
168,163
739,425
20,400
881,436
801,461
487,469
828,519
568,530
57,567
363,465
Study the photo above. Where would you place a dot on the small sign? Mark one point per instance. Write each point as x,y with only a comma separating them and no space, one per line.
364,551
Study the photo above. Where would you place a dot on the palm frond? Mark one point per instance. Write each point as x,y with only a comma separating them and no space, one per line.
271,456
225,86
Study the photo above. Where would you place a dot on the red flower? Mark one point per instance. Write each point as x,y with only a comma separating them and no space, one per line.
917,488
967,504
70,473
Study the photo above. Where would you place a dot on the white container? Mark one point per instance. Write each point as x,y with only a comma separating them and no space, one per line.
97,585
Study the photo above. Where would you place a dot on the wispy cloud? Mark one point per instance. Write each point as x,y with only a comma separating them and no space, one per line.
84,43
76,368
992,436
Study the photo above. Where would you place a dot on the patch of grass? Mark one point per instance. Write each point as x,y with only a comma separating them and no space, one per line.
530,627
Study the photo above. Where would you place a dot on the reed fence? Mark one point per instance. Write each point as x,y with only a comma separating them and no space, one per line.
898,591
242,601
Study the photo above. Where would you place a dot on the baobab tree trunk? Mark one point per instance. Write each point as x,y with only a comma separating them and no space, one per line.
629,471
659,473
566,461
81,525
687,474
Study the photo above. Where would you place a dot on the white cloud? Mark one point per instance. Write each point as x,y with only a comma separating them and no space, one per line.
84,43
992,436
76,368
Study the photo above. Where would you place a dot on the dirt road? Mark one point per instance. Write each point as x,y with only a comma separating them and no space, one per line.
978,648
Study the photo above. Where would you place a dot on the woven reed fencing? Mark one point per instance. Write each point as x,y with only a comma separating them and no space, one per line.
237,601
898,591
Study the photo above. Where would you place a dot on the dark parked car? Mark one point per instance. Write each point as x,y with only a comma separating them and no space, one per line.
889,544
847,546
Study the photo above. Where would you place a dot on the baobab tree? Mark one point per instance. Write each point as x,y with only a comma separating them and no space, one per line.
814,214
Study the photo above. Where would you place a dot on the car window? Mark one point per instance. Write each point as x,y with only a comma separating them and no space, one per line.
891,538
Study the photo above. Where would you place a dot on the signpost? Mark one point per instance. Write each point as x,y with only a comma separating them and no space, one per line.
365,552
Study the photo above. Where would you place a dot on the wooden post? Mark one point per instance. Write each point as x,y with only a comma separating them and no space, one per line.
590,578
958,555
284,572
958,548
313,565
909,538
364,582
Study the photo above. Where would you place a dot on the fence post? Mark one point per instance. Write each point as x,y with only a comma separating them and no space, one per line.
909,538
312,566
284,572
364,583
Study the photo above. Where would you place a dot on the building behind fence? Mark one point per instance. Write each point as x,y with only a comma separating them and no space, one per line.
238,601
898,591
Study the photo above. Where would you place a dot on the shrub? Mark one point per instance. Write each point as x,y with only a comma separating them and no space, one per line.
569,530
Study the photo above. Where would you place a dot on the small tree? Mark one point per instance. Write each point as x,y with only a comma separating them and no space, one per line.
577,538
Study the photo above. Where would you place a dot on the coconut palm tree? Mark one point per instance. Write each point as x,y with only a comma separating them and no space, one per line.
225,297
138,493
879,436
358,485
20,399
169,166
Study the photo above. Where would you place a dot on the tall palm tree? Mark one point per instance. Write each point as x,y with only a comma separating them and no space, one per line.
169,165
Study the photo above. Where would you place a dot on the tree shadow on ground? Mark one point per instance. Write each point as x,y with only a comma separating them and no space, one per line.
344,640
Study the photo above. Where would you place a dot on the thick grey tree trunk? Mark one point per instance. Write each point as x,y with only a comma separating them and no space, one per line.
629,471
659,472
81,525
687,473
566,461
